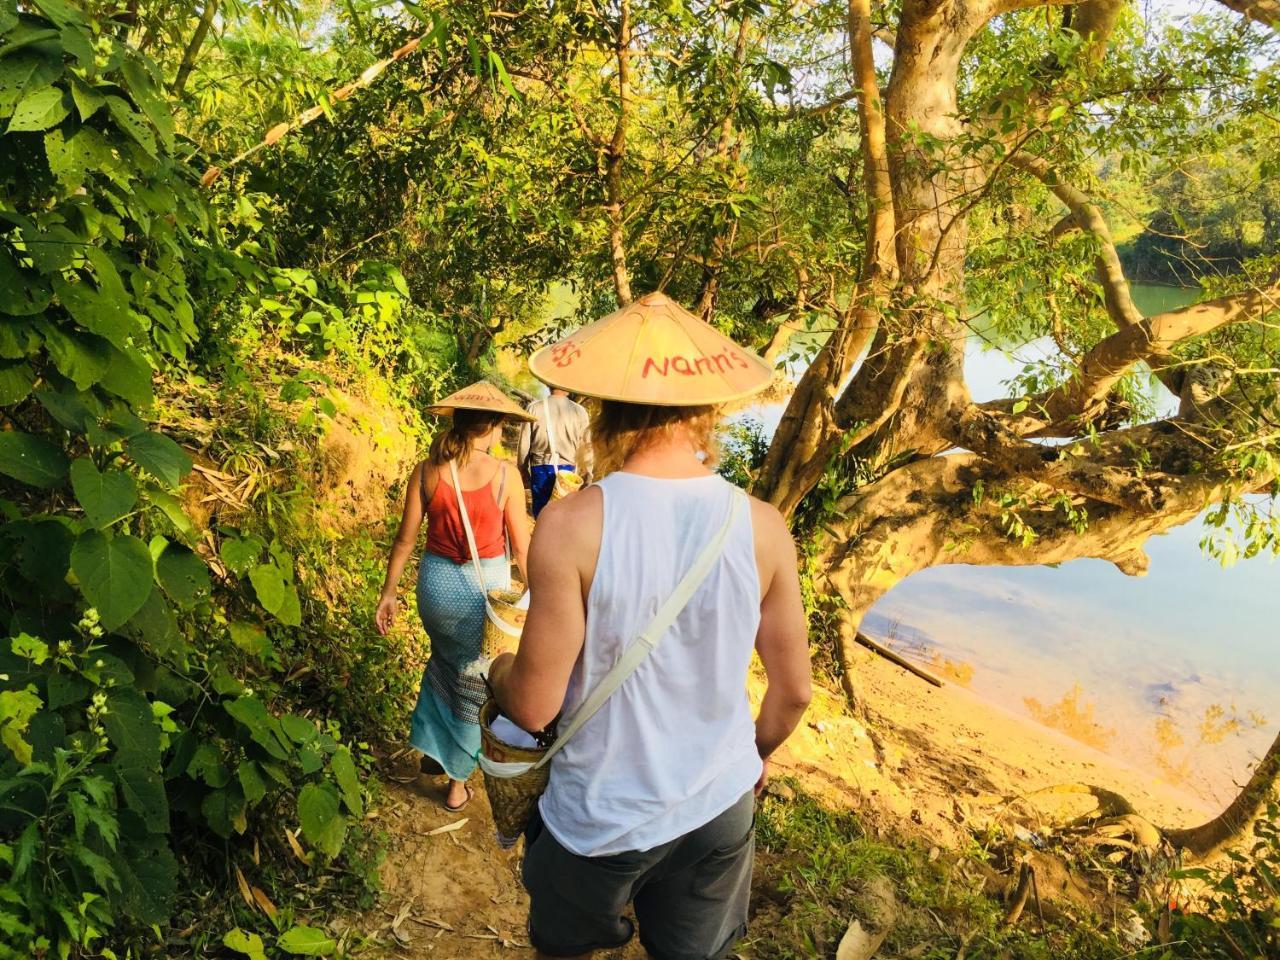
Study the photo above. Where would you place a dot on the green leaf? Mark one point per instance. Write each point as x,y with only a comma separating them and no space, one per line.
268,583
183,575
128,376
250,944
299,729
343,768
251,782
31,460
251,638
87,100
322,824
224,810
304,941
240,554
132,729
133,124
82,358
64,689
39,110
263,727
16,380
98,311
143,791
156,625
105,497
142,88
115,574
149,878
160,457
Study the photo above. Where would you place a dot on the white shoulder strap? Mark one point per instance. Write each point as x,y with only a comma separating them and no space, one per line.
475,553
652,635
551,433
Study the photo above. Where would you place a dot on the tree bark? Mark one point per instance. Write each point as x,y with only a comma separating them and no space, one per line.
615,155
1206,841
193,47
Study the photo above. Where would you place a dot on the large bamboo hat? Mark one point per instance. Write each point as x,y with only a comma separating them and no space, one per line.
652,351
481,395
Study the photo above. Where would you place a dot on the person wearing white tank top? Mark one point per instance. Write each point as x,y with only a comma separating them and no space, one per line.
651,802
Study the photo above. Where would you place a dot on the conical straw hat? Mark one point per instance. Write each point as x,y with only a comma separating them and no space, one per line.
652,351
481,395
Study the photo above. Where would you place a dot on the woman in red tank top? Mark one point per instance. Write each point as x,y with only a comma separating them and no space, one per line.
451,603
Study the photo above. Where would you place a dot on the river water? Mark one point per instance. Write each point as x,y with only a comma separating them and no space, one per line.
1177,672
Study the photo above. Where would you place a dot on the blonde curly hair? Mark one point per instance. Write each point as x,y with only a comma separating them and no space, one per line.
619,430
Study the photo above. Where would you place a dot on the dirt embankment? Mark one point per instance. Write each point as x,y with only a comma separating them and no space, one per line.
933,765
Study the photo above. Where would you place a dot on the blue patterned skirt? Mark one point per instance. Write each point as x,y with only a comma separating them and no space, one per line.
446,721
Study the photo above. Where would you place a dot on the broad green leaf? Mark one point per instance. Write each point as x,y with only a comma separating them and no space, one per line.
251,782
15,71
251,638
304,941
142,88
40,110
133,124
44,554
263,728
299,729
128,376
115,574
76,42
239,554
156,625
249,944
98,311
132,729
343,768
144,794
160,457
87,100
105,497
290,612
268,584
183,575
31,460
64,689
224,810
322,824
16,380
149,878
22,294
80,357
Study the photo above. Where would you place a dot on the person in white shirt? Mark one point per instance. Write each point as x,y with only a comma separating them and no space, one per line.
651,802
553,441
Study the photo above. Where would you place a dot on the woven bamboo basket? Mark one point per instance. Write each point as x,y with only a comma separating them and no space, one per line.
512,798
567,482
502,604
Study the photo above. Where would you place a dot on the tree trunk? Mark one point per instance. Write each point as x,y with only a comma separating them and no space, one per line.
615,153
1209,839
193,46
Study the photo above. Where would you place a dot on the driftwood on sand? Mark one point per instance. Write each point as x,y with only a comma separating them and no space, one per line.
904,663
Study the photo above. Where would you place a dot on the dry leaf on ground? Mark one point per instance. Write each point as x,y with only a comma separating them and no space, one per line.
858,944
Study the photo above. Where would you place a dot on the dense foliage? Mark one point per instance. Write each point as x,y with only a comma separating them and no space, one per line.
210,382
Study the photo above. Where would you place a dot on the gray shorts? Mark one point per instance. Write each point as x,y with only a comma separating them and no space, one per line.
690,895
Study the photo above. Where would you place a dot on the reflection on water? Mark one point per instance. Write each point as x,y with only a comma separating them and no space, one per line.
1173,662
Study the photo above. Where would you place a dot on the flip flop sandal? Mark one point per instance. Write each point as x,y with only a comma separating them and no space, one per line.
466,789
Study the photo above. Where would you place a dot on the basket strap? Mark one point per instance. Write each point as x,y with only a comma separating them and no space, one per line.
651,636
466,526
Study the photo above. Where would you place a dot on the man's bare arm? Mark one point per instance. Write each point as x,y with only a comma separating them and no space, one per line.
783,638
530,685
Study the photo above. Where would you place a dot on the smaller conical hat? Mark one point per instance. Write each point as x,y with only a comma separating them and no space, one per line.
652,351
481,395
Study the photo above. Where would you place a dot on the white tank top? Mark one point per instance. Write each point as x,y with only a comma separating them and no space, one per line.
674,747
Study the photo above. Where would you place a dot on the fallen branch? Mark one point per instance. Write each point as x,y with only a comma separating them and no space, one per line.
892,657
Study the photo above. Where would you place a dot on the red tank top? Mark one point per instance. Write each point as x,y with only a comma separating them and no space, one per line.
446,537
